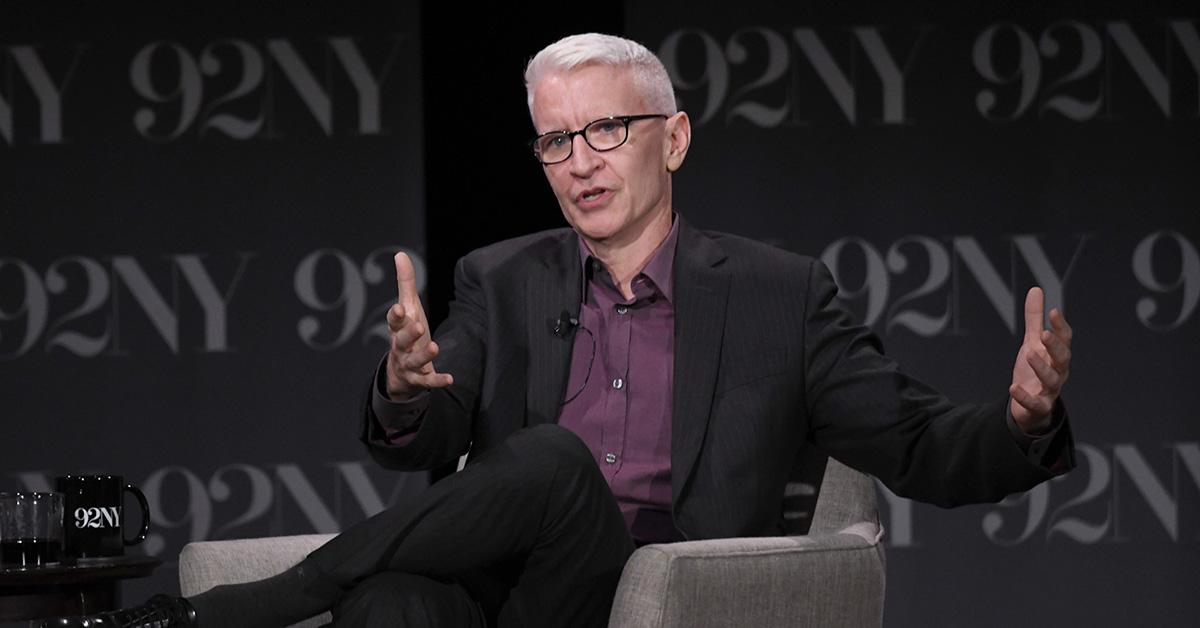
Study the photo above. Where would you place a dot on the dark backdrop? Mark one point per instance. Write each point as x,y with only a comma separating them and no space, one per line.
197,304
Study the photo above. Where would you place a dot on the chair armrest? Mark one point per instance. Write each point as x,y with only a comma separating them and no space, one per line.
206,564
821,580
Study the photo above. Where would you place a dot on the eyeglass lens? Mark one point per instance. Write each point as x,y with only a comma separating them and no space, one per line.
601,135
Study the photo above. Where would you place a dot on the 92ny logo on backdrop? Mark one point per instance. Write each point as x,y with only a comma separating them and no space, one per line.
1130,491
83,306
770,76
234,89
1165,264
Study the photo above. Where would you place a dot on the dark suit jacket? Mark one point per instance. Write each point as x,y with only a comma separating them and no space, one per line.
765,359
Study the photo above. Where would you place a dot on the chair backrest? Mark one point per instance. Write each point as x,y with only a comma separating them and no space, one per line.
846,498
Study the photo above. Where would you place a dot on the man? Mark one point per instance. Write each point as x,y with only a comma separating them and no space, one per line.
629,380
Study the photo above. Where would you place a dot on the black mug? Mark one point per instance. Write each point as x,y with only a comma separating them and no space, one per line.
94,515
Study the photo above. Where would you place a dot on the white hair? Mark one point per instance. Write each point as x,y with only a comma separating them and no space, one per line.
569,53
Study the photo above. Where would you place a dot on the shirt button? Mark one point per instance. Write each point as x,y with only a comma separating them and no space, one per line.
610,458
621,309
618,383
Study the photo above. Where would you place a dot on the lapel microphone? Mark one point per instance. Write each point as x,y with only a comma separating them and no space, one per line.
565,324
564,327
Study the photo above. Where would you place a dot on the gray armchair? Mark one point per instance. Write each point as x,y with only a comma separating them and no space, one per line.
832,576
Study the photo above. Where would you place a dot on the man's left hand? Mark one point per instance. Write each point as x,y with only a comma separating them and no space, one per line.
1042,366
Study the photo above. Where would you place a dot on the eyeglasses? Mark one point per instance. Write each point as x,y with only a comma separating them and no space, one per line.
602,135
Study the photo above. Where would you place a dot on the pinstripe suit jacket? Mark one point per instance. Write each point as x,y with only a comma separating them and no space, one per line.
765,360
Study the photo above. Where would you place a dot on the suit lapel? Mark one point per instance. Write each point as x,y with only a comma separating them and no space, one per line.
552,289
701,293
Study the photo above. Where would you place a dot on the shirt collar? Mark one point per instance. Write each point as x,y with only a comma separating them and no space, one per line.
658,269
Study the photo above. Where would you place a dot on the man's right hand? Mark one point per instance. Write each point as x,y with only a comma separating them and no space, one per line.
410,359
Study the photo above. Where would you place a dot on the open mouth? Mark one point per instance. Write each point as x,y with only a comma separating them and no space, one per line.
592,194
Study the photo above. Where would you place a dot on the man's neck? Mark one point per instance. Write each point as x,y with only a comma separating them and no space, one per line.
625,260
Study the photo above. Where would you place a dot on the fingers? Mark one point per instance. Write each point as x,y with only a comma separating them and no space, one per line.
1044,362
411,368
410,360
1050,378
409,382
419,356
1059,324
433,380
1057,341
1057,349
414,381
396,317
405,331
406,282
1035,305
1037,406
411,347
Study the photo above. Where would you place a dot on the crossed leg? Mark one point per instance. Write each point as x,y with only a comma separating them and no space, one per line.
527,535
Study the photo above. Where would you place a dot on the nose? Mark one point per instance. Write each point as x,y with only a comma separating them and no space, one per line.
584,160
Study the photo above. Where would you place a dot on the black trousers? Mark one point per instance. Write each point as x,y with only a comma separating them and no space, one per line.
528,534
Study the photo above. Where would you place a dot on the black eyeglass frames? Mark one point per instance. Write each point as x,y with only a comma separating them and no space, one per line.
602,135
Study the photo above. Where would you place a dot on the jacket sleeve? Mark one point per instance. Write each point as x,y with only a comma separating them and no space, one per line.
441,431
868,414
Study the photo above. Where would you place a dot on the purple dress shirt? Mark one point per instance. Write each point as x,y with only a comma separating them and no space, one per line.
618,395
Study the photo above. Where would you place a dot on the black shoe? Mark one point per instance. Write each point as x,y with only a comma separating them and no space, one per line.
160,611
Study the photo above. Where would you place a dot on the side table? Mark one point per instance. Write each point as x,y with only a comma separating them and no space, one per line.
69,588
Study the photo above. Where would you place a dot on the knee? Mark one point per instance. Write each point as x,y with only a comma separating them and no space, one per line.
557,443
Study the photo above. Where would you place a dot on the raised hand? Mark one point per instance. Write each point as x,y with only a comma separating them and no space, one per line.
1042,366
410,359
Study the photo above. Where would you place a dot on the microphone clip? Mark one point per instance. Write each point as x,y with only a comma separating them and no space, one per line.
565,325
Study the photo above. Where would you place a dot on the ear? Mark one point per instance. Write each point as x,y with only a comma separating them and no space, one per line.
679,137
